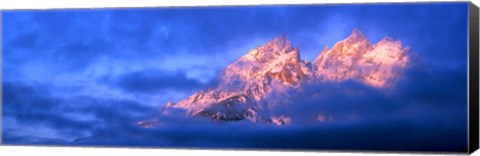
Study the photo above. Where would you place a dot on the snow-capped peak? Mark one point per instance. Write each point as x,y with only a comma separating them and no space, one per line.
271,50
245,84
277,59
356,35
281,42
264,79
355,58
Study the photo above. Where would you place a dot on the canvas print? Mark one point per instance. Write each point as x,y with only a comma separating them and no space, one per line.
377,77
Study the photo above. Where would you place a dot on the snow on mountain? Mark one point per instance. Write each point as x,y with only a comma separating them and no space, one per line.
252,84
382,65
265,79
355,58
338,63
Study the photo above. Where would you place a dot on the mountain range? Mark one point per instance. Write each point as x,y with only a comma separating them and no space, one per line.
268,78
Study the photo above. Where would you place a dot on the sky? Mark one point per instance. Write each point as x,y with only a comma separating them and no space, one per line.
80,76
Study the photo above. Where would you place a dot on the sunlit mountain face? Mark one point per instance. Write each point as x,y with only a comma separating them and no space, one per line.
269,78
386,77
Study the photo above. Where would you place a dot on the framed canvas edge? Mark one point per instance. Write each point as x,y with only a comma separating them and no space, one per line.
473,102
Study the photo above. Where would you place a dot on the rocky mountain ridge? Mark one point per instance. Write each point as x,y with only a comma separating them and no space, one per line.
267,77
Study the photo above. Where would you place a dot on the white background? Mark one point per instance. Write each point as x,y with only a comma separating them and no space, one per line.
82,151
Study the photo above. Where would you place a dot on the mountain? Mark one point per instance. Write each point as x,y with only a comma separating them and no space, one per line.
268,78
355,58
256,82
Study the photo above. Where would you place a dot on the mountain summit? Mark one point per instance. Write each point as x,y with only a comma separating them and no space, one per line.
247,88
267,77
355,58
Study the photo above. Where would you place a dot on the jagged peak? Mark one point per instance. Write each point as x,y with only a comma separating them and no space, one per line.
281,41
322,54
271,70
325,50
272,49
357,33
356,36
387,40
355,44
279,44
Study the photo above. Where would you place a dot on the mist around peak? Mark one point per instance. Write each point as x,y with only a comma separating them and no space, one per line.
268,80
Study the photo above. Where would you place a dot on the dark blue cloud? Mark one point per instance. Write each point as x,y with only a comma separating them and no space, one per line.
31,105
136,33
78,55
151,81
394,120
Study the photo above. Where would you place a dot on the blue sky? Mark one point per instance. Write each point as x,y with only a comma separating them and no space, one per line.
74,73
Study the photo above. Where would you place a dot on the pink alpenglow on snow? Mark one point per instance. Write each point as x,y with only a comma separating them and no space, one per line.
266,79
355,58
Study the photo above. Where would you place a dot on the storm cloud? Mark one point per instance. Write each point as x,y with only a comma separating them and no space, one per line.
151,81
